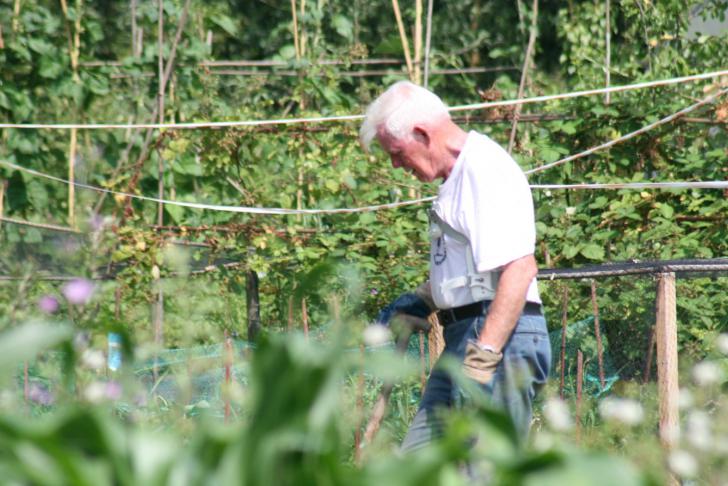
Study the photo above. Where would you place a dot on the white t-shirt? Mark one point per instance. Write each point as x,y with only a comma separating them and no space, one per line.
487,199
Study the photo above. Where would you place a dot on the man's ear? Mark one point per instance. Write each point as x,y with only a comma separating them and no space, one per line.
421,134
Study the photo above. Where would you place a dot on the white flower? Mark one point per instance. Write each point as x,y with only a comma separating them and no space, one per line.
685,399
707,373
683,464
722,343
95,392
376,335
720,446
622,410
570,211
698,432
557,415
93,359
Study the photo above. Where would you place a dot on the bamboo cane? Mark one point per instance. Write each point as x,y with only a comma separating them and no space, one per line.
304,315
228,373
608,60
160,94
302,34
72,177
16,13
418,42
296,43
133,28
579,382
403,38
428,39
3,186
524,73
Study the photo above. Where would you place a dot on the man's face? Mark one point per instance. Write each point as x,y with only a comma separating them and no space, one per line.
412,154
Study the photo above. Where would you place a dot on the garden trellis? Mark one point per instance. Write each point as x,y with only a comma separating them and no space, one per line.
304,125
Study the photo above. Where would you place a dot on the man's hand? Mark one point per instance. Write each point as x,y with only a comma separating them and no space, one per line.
480,364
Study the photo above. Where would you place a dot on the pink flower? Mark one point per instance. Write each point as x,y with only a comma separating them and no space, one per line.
79,291
113,390
48,304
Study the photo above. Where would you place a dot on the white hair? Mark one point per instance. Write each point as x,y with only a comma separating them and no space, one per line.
402,106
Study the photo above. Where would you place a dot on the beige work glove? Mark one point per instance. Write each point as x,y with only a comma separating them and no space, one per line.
480,364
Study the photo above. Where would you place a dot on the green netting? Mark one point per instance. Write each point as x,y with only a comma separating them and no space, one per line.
197,375
581,336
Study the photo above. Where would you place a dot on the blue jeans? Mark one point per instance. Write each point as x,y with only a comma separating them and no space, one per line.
522,372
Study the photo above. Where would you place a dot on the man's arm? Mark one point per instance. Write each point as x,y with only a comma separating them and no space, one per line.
510,298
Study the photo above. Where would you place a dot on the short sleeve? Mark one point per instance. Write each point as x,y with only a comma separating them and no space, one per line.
499,218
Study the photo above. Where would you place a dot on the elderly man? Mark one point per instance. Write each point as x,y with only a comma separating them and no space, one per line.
482,269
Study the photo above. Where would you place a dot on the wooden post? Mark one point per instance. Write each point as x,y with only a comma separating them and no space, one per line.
304,315
598,334
252,298
423,367
579,382
2,41
436,342
667,377
359,407
564,319
290,314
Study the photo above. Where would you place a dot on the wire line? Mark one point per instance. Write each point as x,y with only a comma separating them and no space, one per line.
343,118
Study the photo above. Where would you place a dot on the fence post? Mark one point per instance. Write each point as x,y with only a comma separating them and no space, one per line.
667,378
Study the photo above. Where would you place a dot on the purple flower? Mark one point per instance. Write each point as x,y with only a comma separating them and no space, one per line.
113,390
374,292
48,304
96,221
40,394
79,291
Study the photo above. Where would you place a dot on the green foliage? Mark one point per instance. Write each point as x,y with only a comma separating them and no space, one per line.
292,433
368,258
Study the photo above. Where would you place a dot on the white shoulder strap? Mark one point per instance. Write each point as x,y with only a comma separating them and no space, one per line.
482,285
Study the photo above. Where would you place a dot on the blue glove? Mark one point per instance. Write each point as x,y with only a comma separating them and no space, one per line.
408,303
